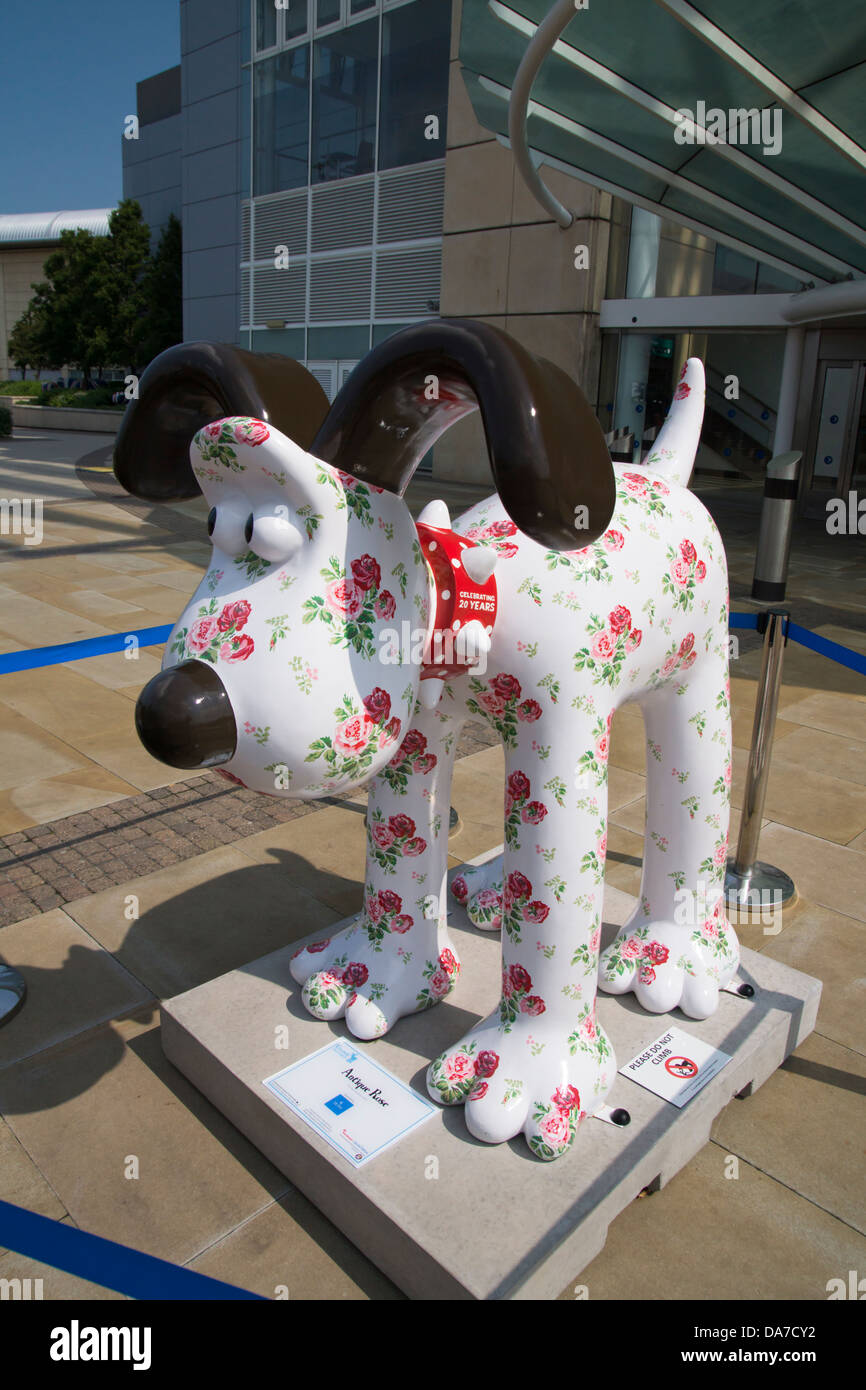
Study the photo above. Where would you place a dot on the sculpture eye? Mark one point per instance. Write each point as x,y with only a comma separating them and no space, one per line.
248,528
226,527
272,536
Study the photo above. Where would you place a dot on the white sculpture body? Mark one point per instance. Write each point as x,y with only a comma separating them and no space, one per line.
306,625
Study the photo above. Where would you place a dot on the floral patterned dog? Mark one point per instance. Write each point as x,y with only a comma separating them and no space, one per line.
313,567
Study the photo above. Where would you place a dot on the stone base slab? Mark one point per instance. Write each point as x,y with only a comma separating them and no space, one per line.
495,1222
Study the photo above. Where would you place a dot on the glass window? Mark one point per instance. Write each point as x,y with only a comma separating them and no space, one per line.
344,103
358,6
327,12
266,24
281,121
296,18
415,55
245,132
733,273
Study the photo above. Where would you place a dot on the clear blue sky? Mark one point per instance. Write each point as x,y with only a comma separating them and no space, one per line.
67,79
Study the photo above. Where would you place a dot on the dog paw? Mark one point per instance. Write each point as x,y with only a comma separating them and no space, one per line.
522,1078
351,976
478,888
667,965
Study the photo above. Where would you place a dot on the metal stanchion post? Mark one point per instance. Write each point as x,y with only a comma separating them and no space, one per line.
747,876
777,519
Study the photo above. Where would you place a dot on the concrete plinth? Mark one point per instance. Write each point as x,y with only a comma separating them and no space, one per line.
482,1222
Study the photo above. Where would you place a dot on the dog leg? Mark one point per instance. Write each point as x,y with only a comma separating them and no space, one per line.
678,947
396,958
541,1063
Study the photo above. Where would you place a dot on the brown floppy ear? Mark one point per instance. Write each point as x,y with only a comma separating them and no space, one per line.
547,450
186,387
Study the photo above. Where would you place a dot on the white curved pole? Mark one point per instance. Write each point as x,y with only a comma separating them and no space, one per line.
542,42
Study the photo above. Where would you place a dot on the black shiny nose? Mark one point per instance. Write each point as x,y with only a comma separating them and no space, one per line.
184,717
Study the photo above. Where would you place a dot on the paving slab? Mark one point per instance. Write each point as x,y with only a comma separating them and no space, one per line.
497,1223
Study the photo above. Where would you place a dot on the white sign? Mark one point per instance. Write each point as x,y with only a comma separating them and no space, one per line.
676,1066
356,1105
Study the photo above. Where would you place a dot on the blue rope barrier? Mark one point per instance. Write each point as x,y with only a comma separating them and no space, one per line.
743,620
855,661
105,1262
75,651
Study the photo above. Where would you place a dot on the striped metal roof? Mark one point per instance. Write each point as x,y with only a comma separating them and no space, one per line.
19,228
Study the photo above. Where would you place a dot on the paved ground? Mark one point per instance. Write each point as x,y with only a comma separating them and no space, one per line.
114,870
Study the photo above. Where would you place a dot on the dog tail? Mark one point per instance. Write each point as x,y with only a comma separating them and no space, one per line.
673,453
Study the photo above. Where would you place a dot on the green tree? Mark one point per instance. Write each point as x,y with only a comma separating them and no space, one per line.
27,346
163,291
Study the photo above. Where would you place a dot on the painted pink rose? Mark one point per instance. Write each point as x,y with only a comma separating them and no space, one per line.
710,928
401,924
602,747
602,847
491,704
534,813
425,764
390,733
529,711
440,983
343,598
414,847
239,649
486,1062
520,978
355,973
489,899
500,528
554,1130
656,953
518,785
354,734
687,643
252,432
385,605
595,939
619,619
202,633
566,1098
689,661
535,911
378,705
234,615
613,540
720,855
382,836
389,901
728,773
635,483
680,572
449,962
366,572
402,826
478,1090
459,1067
700,571
603,645
661,488
682,391
688,552
634,639
375,910
518,886
213,431
460,889
506,687
631,949
414,742
588,1028
533,1005
646,975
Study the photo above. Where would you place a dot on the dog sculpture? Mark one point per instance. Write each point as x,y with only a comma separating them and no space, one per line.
576,589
